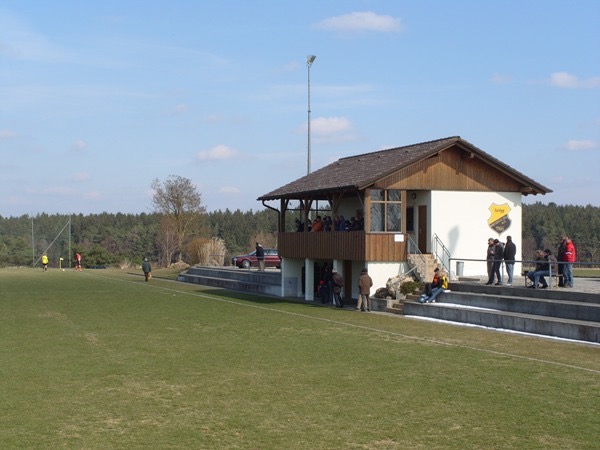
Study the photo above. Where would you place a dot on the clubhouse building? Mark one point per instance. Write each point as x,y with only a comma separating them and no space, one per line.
398,211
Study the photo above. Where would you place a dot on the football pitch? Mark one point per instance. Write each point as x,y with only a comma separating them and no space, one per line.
102,359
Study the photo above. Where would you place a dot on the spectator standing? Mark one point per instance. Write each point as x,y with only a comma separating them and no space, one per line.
364,291
498,258
260,257
560,255
510,253
569,257
490,261
338,283
147,269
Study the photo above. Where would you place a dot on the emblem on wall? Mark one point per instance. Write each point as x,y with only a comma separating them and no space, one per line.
499,220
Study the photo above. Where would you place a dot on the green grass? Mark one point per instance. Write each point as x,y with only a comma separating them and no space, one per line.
101,359
589,272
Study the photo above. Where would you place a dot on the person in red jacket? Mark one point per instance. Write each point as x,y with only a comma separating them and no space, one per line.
568,257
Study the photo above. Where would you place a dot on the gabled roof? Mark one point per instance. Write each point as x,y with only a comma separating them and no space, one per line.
360,171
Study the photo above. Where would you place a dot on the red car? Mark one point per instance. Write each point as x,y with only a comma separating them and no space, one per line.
272,259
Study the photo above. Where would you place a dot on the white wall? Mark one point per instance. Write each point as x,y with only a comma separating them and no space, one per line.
381,272
460,219
291,277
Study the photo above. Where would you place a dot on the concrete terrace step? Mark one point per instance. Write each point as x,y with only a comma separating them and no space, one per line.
249,275
555,312
565,309
530,323
521,291
252,281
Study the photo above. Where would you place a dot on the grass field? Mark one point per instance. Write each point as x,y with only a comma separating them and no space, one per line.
101,359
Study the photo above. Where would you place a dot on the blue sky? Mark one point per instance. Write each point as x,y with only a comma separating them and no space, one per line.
97,99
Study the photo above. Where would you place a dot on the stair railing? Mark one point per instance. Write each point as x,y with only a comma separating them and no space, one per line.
417,264
441,253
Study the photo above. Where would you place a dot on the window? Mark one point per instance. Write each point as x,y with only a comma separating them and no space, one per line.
410,219
386,210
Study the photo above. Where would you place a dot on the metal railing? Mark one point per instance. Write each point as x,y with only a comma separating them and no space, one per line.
528,262
419,259
441,253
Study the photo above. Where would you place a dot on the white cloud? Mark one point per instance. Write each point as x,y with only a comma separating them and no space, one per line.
213,118
330,125
217,153
581,145
229,190
501,79
92,195
178,110
21,41
569,81
361,21
79,145
331,130
81,176
7,134
60,190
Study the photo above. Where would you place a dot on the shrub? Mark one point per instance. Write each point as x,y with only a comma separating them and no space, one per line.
409,287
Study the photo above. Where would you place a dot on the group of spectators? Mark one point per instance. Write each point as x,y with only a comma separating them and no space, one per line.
330,286
497,252
338,223
546,263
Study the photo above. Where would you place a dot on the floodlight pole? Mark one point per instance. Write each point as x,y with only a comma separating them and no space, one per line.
309,60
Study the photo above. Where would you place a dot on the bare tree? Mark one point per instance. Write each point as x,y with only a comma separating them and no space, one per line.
180,202
167,242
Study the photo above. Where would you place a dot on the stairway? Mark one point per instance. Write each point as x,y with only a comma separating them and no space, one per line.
559,313
423,270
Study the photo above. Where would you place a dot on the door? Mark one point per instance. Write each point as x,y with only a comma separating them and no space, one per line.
422,229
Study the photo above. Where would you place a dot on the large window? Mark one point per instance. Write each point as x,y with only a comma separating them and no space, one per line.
386,210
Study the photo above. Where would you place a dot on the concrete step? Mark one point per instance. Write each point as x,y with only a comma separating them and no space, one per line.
233,273
554,312
250,281
395,308
530,323
522,291
559,308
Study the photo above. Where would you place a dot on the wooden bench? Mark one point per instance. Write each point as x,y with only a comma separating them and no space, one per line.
555,279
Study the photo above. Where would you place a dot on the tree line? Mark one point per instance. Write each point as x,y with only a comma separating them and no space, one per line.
125,239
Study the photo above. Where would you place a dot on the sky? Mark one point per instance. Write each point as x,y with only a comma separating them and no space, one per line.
98,99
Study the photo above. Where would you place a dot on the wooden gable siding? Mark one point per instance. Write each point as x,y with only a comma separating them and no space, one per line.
342,245
451,170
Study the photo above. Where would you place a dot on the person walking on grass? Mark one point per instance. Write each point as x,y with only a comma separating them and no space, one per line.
45,262
147,269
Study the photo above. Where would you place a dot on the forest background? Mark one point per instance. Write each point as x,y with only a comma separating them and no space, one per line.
123,240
